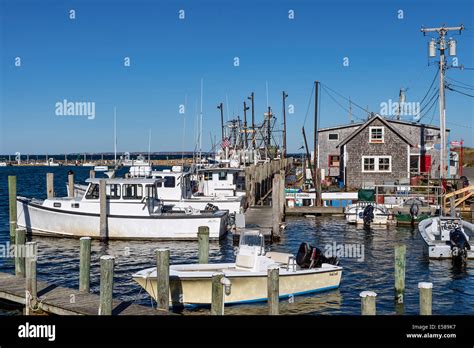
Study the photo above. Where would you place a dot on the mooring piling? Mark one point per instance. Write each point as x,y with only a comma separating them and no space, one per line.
92,174
203,240
103,210
85,264
30,276
273,285
400,260
70,182
49,185
163,278
217,302
20,240
276,206
12,206
107,263
426,296
368,306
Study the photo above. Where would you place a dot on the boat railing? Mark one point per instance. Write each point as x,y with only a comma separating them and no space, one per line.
395,194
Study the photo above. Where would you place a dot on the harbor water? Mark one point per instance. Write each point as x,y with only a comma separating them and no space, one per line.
370,267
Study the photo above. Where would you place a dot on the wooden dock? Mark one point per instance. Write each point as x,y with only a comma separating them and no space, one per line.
257,217
58,300
298,211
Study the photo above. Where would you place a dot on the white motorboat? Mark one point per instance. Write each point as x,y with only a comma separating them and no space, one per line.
447,237
366,213
191,284
134,211
50,163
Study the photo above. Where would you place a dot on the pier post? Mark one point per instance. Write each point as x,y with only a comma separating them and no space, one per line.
70,182
107,263
368,302
30,275
49,185
217,302
92,174
85,264
203,239
273,285
400,260
20,239
426,295
103,210
163,278
12,205
276,206
282,195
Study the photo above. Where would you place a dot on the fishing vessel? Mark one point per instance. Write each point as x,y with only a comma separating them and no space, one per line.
191,284
413,211
134,211
447,237
366,213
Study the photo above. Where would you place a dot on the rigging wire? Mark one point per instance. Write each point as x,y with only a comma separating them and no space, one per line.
345,98
309,105
340,105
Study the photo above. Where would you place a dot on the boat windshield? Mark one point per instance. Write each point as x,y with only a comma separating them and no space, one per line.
251,239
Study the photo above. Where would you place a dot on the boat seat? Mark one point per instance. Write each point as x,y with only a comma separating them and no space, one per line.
245,261
279,257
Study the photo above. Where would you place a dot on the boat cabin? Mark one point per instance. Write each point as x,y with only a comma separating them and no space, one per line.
175,184
221,182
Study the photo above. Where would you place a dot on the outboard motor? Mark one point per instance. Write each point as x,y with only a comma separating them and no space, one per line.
211,207
309,256
368,214
414,209
459,244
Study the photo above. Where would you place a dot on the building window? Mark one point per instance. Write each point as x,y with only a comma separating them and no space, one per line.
333,136
334,160
113,191
376,164
222,175
376,134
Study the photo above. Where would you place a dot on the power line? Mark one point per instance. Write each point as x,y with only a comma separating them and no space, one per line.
347,99
431,86
461,82
455,90
342,106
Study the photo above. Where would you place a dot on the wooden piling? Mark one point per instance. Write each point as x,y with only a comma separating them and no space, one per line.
426,296
12,206
70,182
107,263
273,285
217,302
368,306
49,185
30,276
85,264
92,174
282,200
163,278
400,260
276,206
20,240
103,210
203,239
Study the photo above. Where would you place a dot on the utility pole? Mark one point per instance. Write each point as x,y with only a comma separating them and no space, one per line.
441,45
284,124
253,120
245,125
316,173
401,101
221,108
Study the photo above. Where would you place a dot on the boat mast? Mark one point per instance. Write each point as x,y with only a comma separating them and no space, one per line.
200,123
115,135
149,145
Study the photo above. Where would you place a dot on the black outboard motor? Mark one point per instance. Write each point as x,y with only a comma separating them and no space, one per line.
211,207
368,214
459,244
309,256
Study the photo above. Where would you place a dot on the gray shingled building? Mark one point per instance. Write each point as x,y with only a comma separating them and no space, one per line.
378,151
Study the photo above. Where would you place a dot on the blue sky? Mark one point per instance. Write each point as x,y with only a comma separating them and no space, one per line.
83,60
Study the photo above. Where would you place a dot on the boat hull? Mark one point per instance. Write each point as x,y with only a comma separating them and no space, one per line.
53,222
246,288
354,215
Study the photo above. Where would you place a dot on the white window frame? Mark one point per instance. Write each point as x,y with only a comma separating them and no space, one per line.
372,141
376,164
329,139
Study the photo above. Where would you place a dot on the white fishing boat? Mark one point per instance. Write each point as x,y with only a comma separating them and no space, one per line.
447,237
366,213
223,182
191,284
134,211
3,164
